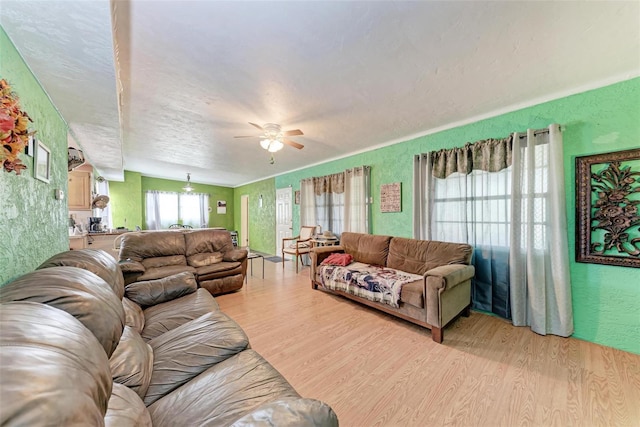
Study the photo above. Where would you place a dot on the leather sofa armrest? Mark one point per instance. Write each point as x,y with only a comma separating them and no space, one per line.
235,255
151,292
448,276
441,280
319,254
131,266
131,270
290,412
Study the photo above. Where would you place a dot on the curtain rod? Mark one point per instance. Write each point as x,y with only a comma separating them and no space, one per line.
538,132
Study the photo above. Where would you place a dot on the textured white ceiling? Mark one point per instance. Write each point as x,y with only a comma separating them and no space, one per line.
351,75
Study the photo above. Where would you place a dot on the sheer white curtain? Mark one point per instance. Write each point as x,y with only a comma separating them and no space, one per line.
161,210
515,218
539,259
193,209
307,203
337,202
356,199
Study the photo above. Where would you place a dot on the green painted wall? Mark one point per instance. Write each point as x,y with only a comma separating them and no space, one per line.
605,298
215,193
126,201
33,225
262,220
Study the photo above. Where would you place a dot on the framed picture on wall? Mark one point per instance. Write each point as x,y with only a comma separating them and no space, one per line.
42,162
608,208
297,197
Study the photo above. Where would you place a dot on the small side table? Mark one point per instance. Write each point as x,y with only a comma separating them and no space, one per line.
324,241
251,257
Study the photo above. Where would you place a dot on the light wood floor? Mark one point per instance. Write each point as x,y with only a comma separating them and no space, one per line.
375,370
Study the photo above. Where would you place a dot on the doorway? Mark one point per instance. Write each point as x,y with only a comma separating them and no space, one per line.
284,213
244,220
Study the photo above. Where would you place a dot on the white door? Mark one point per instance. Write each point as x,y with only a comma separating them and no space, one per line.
244,221
283,216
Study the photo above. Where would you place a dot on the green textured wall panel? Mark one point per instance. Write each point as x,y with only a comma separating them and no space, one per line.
605,298
34,226
262,220
215,193
126,201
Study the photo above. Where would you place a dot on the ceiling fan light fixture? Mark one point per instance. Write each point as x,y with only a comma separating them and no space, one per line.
275,146
188,186
265,144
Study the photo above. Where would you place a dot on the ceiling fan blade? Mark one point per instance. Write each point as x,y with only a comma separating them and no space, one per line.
247,136
292,143
294,132
256,126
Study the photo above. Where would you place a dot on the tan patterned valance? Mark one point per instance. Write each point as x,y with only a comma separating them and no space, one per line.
334,183
491,155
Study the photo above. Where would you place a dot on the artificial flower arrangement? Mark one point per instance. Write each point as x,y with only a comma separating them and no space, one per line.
13,129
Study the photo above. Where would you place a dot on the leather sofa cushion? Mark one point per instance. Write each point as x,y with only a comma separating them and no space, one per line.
169,270
139,245
53,370
202,241
204,258
366,248
163,261
183,353
151,292
216,268
98,262
420,256
80,293
132,362
126,409
133,314
231,389
169,315
290,412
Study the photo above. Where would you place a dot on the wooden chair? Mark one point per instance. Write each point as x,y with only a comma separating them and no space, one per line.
301,244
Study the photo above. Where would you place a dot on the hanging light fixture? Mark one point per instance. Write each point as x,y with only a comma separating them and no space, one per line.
271,145
188,187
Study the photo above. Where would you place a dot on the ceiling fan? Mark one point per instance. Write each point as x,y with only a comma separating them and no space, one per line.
274,138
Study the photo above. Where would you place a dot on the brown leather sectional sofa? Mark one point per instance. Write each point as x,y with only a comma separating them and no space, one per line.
219,267
78,348
443,292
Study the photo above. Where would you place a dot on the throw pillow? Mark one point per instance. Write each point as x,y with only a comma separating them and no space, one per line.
338,259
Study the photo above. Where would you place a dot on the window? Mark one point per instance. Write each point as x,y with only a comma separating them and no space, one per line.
166,208
338,202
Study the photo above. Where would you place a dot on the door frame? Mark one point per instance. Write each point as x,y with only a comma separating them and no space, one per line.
244,221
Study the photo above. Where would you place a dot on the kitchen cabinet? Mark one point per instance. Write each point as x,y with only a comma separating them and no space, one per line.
77,242
104,241
79,191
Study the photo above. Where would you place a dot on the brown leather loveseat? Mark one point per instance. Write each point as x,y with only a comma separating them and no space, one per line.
440,288
77,350
219,267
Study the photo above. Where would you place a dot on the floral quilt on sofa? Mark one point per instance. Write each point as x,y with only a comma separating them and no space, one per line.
375,283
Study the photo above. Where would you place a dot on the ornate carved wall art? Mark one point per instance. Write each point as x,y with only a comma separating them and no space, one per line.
607,208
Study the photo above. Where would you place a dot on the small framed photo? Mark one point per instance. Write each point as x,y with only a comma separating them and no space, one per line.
297,197
42,162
